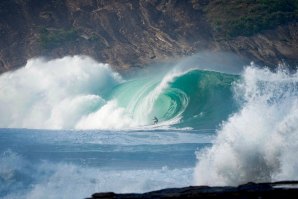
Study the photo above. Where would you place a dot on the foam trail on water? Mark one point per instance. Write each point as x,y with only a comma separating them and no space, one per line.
260,142
110,116
63,180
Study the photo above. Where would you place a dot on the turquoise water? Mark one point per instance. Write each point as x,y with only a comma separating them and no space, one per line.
196,99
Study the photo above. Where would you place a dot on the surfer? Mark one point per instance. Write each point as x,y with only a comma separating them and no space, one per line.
155,120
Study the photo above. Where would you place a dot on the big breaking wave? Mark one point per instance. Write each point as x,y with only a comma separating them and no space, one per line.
79,93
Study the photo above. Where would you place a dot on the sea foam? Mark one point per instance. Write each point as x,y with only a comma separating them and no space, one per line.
259,142
53,94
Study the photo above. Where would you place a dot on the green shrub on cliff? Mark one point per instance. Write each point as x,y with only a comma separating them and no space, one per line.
245,18
54,38
269,14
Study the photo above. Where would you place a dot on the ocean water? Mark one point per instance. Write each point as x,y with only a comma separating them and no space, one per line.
70,127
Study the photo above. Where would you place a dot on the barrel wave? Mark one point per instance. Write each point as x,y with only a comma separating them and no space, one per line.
44,94
180,99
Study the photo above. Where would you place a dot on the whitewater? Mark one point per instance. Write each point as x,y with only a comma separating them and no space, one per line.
70,127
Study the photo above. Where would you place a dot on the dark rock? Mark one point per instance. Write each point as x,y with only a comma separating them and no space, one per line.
285,189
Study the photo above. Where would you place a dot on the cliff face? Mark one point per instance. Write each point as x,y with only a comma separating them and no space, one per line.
132,33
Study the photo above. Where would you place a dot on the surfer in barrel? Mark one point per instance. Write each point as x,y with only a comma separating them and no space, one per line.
155,120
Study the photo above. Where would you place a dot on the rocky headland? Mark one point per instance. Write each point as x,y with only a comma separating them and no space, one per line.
285,189
132,33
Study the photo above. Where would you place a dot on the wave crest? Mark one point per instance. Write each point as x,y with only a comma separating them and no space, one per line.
77,92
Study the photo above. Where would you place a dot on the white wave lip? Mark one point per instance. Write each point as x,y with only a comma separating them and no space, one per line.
53,94
258,143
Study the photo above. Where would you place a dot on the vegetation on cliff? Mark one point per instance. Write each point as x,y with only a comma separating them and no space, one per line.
248,17
55,38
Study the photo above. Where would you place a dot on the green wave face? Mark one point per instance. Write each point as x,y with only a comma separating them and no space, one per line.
197,99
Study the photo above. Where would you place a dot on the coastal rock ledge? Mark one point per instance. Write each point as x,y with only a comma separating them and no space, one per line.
283,189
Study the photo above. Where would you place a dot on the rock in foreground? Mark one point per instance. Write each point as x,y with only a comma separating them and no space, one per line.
285,189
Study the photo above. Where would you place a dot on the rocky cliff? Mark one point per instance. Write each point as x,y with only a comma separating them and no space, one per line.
132,33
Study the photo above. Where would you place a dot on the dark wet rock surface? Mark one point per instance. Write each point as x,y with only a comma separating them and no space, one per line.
285,189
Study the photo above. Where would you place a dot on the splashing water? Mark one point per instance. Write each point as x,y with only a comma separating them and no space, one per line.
259,142
53,94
